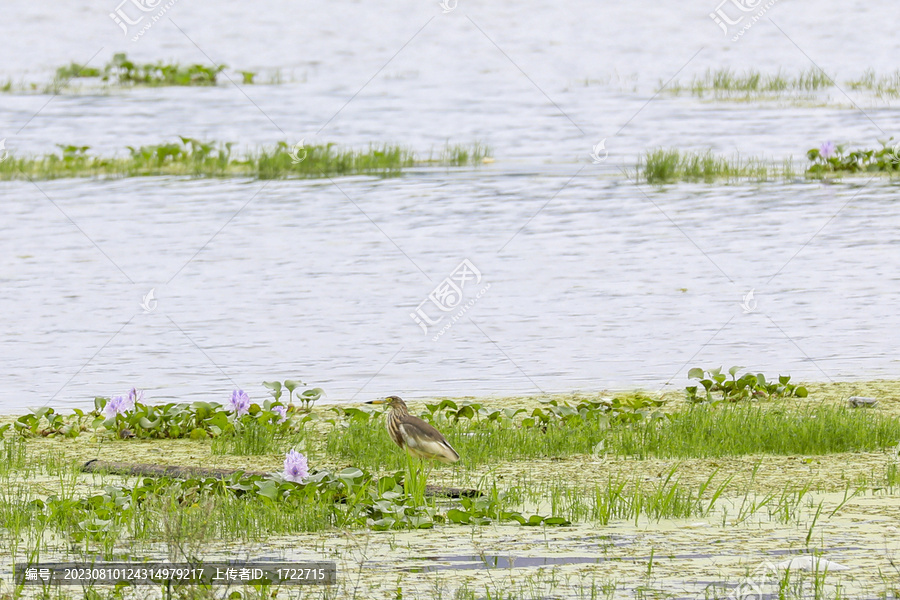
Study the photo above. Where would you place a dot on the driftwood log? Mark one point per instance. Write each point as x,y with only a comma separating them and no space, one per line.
145,470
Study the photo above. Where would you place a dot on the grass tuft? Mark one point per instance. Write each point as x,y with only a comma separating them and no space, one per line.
665,165
195,158
725,83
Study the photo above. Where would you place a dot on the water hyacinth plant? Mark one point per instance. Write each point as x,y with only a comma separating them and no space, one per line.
124,72
296,467
114,407
307,397
259,426
240,403
746,387
122,405
836,159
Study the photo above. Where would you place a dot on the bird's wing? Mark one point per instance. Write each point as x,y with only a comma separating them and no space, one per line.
423,438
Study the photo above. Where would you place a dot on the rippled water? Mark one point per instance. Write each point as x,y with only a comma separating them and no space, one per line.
594,282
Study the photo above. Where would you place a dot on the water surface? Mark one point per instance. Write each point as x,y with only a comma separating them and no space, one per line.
594,283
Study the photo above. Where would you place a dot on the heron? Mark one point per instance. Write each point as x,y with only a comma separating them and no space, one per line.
414,435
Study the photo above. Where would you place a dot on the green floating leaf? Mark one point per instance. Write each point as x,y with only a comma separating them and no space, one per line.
148,424
275,386
313,394
695,373
351,473
457,516
465,412
513,516
292,384
383,524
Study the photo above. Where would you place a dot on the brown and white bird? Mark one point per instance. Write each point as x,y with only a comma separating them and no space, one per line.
414,435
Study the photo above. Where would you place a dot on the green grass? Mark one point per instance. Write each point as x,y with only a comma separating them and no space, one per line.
256,439
884,86
12,455
625,498
458,155
727,83
194,158
706,431
751,84
668,165
697,431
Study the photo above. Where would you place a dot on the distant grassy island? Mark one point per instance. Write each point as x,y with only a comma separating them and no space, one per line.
195,158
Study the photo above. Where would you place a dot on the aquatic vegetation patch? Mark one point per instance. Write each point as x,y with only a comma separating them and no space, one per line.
665,165
307,397
726,81
708,430
483,436
884,86
746,387
349,498
129,416
728,84
120,70
195,158
632,426
836,159
53,511
457,155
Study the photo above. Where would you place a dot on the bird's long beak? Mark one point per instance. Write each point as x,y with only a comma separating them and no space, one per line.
378,401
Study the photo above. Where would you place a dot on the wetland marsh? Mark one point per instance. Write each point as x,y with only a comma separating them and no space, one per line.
629,503
496,212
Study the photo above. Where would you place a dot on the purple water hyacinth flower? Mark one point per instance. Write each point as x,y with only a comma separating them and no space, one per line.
240,402
827,149
282,412
115,406
134,396
295,467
